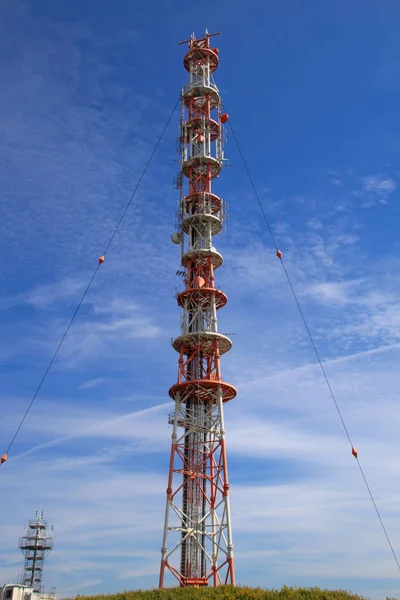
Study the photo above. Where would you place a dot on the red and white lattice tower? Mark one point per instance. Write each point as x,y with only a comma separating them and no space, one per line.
197,545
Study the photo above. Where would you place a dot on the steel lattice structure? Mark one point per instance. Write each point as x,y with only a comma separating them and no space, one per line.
197,519
35,544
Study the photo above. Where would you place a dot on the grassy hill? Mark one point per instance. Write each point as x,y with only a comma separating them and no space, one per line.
231,593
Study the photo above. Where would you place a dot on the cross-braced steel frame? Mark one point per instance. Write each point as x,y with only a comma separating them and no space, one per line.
35,544
197,544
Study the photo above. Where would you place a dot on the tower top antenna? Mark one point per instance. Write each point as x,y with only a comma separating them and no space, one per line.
193,37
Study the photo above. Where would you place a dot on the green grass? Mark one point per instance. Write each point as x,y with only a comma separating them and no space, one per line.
231,593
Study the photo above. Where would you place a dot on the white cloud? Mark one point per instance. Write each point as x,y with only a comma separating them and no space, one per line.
314,224
374,183
93,383
47,295
102,327
336,292
377,186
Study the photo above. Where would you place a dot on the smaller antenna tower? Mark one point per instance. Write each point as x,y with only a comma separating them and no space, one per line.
35,544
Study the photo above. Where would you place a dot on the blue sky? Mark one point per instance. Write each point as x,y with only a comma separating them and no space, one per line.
312,89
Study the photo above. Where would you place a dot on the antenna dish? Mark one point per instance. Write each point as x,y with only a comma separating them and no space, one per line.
176,237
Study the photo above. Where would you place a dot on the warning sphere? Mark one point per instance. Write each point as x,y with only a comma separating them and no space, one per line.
224,118
176,237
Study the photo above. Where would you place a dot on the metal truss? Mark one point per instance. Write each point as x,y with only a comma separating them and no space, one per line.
204,470
197,544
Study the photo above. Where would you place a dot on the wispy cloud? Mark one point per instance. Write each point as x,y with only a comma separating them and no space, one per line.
373,183
46,295
380,187
93,383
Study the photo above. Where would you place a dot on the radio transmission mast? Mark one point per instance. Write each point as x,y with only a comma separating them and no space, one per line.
197,544
35,544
